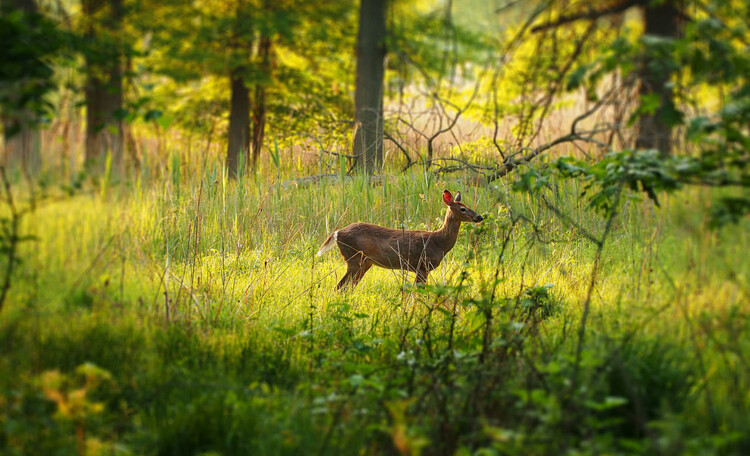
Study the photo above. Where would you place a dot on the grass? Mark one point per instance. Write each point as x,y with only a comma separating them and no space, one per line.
190,316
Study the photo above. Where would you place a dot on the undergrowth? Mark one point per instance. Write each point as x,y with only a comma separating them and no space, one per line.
190,316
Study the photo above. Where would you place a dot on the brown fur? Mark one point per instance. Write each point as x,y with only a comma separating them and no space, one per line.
363,245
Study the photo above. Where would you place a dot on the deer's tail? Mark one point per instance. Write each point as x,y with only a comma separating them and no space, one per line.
329,243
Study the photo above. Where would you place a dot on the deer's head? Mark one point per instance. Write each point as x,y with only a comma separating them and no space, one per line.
459,210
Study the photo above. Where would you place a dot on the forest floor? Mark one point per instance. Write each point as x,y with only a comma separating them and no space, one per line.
192,317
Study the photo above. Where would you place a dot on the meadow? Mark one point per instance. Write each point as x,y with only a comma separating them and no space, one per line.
190,315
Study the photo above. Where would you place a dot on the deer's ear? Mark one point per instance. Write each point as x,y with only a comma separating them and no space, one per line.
447,197
458,197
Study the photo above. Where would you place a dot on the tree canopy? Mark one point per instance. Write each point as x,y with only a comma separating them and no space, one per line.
260,77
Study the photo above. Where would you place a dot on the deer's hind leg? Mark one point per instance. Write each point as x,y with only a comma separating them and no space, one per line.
356,267
364,267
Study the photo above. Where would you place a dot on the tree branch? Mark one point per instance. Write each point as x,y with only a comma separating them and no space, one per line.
590,14
510,163
400,147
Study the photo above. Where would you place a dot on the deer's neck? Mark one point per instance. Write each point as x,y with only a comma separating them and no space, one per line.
446,236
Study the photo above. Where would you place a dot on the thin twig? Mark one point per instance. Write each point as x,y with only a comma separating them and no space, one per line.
13,238
592,285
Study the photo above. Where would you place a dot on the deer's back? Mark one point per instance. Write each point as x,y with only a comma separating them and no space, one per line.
390,248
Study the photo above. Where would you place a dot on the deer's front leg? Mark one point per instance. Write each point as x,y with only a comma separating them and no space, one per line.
423,268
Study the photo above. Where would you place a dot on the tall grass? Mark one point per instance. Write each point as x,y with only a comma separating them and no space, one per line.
188,314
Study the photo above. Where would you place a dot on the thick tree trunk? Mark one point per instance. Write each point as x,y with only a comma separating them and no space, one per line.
20,138
259,107
103,130
368,96
655,129
104,88
239,122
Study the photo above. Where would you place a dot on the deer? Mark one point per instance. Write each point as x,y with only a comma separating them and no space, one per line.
363,245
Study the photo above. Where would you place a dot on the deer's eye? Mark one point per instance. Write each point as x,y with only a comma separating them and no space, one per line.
463,209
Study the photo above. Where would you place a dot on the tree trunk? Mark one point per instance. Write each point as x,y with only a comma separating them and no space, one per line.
22,146
20,138
239,122
103,129
27,6
368,96
104,87
259,108
655,129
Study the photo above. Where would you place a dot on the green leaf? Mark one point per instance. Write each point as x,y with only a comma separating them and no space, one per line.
356,380
608,403
576,77
670,115
649,103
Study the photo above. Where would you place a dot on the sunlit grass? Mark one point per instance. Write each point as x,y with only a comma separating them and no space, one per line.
186,292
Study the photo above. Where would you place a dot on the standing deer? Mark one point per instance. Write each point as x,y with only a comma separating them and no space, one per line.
363,245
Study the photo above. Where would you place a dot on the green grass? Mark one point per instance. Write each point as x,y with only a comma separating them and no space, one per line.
190,316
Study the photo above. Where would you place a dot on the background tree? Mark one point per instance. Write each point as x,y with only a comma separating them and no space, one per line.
661,22
228,57
264,75
29,40
240,44
368,95
104,83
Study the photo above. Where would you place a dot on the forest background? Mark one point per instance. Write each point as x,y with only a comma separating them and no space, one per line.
169,170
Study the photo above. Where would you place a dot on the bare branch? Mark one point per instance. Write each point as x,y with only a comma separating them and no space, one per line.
590,14
400,147
13,238
510,163
463,165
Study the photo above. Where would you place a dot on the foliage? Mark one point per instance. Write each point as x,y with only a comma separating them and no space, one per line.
712,54
197,57
197,322
26,77
180,312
